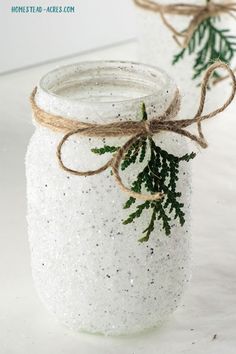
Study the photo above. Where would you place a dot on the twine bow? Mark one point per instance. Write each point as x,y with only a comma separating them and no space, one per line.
134,129
199,14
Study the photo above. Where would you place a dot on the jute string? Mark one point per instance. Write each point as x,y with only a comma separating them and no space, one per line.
134,129
199,13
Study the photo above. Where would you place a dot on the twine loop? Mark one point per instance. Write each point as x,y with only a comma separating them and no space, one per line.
199,13
134,129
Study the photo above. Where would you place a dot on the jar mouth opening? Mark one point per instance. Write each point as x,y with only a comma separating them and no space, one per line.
101,82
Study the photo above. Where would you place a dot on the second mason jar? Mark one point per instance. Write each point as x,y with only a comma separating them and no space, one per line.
156,46
89,268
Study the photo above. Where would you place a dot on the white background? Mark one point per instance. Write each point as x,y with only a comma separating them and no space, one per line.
28,39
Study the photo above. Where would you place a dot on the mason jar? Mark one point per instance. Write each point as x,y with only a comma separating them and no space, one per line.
156,46
89,268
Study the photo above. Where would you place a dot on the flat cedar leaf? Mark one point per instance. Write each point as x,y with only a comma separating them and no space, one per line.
105,149
144,239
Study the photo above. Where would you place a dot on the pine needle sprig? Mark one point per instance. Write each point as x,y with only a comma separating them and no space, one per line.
208,43
160,174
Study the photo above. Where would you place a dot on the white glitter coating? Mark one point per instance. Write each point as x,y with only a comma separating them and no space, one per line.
89,269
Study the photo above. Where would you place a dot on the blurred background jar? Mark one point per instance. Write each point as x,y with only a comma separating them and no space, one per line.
158,47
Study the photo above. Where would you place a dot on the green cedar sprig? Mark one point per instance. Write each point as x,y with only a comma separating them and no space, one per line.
104,149
160,174
209,44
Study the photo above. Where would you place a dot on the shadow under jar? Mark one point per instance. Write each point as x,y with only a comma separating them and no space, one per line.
89,268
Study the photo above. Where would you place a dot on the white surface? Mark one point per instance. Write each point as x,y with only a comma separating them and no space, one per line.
210,303
31,38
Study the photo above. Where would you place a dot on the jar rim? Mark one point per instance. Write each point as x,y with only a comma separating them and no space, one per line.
154,73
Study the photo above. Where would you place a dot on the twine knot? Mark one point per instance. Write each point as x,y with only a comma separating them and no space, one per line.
211,7
152,126
135,130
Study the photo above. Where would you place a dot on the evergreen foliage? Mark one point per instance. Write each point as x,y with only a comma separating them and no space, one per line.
209,44
160,174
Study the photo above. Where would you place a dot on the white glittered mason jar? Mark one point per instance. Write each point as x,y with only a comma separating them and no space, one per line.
89,268
158,47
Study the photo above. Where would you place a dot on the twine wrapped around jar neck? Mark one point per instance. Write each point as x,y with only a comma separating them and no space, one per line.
199,13
134,129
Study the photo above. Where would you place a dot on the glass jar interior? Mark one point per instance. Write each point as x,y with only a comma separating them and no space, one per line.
107,89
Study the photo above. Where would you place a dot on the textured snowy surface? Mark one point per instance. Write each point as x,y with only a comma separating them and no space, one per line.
89,269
